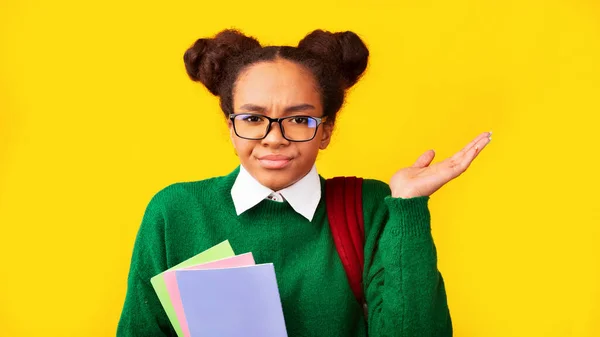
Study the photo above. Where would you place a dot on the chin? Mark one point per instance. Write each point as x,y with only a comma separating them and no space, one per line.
276,179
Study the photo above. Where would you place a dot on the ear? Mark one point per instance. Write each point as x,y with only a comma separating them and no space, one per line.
326,135
232,135
231,131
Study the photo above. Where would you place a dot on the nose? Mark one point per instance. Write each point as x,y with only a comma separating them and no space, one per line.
274,136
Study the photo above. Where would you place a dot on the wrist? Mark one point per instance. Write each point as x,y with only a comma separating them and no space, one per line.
404,194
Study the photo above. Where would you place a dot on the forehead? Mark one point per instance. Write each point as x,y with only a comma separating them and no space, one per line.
273,83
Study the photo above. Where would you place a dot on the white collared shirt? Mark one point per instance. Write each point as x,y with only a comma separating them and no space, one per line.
303,196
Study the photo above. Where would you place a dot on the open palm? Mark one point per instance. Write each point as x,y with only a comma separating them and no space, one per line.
423,179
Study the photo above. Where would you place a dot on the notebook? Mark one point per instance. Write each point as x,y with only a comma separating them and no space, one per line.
173,290
220,251
232,302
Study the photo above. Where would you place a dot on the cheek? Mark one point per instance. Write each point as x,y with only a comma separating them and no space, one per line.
243,147
309,151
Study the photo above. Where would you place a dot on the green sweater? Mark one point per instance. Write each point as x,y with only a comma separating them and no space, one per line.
403,287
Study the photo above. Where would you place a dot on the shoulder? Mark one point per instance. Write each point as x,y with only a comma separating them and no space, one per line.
180,195
374,194
186,188
375,190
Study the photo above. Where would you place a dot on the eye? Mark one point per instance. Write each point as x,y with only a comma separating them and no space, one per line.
252,118
299,120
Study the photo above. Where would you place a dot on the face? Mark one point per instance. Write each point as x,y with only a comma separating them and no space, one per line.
278,88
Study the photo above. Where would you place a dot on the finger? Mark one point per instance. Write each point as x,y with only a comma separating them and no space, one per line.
471,154
425,159
472,144
475,141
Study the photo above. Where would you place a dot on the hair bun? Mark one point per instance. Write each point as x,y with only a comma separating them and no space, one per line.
345,50
206,58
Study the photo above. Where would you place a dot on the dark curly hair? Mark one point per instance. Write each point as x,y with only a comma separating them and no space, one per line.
337,61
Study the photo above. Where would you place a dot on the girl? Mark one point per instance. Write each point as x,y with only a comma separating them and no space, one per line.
280,103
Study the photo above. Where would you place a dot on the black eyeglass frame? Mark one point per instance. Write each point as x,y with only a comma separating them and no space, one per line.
320,120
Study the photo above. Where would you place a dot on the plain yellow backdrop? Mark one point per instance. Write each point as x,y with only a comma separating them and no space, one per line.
97,114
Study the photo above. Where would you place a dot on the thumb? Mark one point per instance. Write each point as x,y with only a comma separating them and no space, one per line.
425,159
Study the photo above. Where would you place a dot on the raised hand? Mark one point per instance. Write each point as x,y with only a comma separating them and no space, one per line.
423,179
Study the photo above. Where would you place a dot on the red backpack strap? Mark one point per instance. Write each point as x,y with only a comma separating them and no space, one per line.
344,209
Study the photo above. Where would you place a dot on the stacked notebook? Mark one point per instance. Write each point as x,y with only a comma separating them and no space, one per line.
218,293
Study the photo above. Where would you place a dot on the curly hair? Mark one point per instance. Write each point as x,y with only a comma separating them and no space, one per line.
336,60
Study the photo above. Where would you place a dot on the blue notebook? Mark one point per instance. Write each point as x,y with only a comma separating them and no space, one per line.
232,302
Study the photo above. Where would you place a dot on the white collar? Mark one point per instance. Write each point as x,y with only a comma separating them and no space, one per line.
303,196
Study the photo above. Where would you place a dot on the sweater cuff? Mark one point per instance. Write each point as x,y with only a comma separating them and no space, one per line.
408,217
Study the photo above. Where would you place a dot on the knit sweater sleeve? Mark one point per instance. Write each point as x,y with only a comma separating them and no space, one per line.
404,289
142,313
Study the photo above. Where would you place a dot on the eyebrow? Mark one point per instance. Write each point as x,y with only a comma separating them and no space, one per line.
290,109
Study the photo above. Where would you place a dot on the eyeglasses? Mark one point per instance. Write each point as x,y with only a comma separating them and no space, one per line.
293,128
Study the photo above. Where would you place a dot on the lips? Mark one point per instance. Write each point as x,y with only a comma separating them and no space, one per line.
274,161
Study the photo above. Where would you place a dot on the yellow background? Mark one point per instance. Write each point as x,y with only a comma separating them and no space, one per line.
97,114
